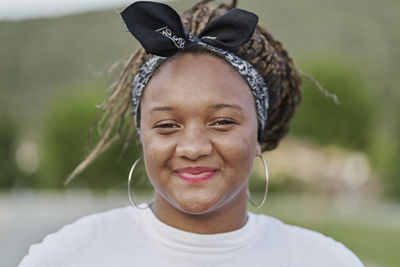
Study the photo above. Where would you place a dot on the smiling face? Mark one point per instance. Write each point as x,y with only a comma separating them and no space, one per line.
199,134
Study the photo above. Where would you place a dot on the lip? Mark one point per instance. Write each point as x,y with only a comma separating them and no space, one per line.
196,174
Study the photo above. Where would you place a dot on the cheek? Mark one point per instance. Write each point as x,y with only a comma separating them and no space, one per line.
154,145
239,151
157,153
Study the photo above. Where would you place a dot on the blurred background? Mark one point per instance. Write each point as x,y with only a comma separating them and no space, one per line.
336,172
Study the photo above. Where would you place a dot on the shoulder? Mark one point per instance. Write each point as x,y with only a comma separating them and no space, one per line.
307,246
322,248
80,237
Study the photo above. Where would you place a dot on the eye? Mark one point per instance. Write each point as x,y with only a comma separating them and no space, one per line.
223,123
166,127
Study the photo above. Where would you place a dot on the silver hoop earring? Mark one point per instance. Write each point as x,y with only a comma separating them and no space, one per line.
257,205
133,203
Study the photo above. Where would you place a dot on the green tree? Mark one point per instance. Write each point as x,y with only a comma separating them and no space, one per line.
347,124
8,169
355,123
65,140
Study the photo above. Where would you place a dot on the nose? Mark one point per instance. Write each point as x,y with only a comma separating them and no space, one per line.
194,143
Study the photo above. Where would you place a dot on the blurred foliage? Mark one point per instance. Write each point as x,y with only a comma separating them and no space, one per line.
8,136
385,154
281,184
354,123
348,123
64,144
40,58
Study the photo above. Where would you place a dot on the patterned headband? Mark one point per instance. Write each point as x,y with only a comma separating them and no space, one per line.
160,31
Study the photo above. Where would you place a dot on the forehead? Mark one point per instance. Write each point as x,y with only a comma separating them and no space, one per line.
197,78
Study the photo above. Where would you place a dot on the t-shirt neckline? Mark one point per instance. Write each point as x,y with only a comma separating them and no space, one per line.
176,239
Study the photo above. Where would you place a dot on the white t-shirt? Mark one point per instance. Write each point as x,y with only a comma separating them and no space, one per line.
133,237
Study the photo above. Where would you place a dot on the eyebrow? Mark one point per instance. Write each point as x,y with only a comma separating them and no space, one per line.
218,106
233,106
161,108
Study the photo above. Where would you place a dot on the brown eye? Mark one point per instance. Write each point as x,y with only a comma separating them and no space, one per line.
166,125
223,124
224,121
166,128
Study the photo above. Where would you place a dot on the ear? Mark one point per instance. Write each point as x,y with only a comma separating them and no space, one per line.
258,149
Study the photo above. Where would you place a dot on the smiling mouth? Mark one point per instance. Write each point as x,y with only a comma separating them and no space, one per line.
196,174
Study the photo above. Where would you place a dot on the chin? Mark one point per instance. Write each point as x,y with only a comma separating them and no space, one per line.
197,207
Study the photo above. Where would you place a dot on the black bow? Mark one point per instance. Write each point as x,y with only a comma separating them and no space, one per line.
159,28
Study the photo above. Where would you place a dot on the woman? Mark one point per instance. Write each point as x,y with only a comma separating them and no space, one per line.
206,102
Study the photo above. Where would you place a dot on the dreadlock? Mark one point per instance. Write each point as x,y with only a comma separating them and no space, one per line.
270,59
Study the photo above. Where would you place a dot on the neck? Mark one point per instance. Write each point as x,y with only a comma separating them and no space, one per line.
229,217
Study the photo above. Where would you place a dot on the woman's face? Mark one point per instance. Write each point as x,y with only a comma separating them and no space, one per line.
199,133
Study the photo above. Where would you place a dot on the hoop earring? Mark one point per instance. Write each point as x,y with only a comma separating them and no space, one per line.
133,203
257,205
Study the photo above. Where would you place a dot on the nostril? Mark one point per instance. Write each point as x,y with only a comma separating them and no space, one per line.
194,147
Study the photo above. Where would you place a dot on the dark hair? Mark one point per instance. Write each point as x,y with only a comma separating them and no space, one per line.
270,59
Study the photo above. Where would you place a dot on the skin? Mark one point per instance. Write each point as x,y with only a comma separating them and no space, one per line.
198,111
